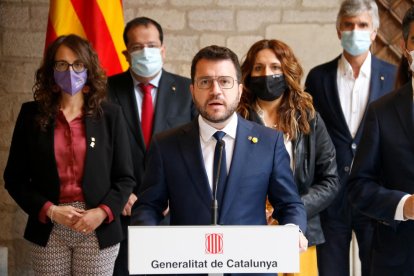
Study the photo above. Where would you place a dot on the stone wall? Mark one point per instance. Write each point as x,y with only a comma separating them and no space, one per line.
308,26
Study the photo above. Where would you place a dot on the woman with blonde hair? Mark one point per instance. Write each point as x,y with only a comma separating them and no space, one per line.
273,96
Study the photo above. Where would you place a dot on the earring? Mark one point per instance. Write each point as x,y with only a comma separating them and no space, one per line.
86,89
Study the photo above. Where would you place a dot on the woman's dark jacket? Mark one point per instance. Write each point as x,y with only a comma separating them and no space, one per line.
31,176
314,172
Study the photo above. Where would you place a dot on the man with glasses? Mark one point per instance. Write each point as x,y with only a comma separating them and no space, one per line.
152,100
219,156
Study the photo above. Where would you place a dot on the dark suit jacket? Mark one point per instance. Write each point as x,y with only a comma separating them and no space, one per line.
174,107
321,83
383,171
176,175
32,179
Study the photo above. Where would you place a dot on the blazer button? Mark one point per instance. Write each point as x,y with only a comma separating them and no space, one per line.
353,146
346,169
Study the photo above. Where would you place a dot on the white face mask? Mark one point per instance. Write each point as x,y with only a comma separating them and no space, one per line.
146,62
356,42
411,53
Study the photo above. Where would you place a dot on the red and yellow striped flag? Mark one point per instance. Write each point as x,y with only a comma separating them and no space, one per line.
99,21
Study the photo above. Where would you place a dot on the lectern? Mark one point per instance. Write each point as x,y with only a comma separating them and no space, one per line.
213,249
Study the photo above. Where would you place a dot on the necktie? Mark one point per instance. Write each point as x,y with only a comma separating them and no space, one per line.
147,114
219,164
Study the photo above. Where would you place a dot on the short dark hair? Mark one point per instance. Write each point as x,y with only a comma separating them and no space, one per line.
142,21
215,52
408,19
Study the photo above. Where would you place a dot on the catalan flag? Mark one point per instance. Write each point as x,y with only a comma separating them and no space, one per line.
99,21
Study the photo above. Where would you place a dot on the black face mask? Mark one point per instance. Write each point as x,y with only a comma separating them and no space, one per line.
268,88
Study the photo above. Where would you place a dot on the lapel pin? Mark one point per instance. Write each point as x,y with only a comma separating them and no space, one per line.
254,140
92,144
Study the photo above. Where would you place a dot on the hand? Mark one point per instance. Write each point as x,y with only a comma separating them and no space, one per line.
408,209
129,204
270,219
166,211
303,242
90,220
65,215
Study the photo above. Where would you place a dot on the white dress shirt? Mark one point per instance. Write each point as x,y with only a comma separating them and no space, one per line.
208,143
139,94
286,139
353,92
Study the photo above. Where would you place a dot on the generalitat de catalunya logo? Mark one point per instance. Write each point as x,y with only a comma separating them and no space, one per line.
214,243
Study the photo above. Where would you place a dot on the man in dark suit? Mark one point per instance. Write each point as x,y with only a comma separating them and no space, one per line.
152,100
182,171
341,90
381,184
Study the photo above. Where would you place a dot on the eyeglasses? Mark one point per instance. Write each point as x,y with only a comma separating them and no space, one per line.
63,66
138,47
225,82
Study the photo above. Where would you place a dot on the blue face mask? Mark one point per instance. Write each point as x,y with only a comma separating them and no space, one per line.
356,42
146,62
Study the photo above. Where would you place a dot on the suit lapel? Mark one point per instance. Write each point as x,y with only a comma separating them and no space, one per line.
240,158
91,133
46,148
376,85
126,98
166,91
403,106
191,151
332,95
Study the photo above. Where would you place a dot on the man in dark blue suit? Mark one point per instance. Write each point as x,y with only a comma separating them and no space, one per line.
381,184
181,165
341,89
169,100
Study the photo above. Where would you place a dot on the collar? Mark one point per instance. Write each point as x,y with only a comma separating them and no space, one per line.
260,113
346,69
207,131
62,118
155,81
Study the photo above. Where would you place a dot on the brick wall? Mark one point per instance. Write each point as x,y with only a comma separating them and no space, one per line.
308,26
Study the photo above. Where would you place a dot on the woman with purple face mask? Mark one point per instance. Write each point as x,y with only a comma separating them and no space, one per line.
69,166
272,96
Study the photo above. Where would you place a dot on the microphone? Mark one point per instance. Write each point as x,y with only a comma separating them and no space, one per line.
214,203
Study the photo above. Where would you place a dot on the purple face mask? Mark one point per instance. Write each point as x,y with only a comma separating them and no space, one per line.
70,81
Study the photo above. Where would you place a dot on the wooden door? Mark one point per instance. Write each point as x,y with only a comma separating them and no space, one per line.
387,43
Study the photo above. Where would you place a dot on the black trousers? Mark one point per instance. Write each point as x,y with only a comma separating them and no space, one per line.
333,255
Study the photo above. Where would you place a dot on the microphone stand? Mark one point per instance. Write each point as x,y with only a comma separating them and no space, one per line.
214,203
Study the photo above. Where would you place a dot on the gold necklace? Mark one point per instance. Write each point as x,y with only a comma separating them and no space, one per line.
261,112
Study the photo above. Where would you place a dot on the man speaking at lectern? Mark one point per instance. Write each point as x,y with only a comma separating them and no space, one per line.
219,159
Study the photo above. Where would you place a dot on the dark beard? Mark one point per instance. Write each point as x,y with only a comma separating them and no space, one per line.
214,119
